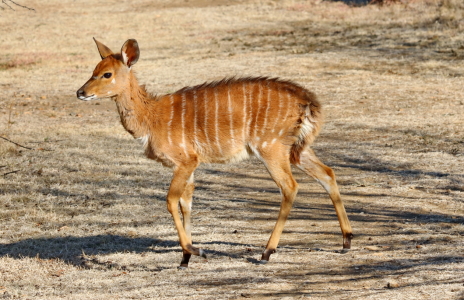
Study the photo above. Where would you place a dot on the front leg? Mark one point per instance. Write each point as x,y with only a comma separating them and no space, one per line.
186,208
176,190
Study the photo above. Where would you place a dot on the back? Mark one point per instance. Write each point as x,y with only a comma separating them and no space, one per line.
227,120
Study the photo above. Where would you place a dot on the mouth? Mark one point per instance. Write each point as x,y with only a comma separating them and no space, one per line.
88,98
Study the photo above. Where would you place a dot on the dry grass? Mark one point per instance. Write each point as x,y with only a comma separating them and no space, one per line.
83,216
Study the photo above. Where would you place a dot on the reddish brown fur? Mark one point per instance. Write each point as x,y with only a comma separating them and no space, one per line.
222,121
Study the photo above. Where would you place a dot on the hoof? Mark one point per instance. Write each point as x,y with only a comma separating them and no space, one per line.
195,251
344,251
262,262
201,253
182,268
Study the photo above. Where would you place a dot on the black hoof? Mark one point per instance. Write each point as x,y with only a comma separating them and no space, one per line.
195,251
343,251
202,253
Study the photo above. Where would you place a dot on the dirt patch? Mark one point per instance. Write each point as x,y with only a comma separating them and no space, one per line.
84,216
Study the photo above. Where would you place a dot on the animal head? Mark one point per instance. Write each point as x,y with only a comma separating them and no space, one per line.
111,75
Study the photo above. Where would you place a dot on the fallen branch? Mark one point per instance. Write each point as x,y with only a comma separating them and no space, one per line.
11,172
16,143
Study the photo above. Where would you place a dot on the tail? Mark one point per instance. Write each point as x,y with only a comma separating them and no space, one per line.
308,125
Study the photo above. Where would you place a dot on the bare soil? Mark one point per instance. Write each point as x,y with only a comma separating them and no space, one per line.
83,213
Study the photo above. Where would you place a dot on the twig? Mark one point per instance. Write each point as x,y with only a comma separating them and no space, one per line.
17,144
16,171
17,4
4,2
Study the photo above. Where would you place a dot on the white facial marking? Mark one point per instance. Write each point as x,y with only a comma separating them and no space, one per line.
113,81
88,98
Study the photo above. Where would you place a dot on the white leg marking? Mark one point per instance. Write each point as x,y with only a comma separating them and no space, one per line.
190,180
324,184
187,207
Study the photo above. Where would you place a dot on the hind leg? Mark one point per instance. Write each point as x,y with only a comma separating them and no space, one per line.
312,166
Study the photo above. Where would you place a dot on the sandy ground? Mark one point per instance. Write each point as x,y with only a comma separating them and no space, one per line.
83,213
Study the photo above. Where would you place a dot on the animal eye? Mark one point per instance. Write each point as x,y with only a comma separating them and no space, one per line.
107,75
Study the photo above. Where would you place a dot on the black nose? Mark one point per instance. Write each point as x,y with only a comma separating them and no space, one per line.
80,93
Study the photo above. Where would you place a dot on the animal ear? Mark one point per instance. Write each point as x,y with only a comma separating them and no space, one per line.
130,52
104,51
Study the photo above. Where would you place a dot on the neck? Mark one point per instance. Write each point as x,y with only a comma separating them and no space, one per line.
133,108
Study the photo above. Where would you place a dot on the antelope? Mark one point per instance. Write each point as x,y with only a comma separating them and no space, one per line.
218,122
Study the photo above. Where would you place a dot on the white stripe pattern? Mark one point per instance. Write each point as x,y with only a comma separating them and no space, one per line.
182,121
205,100
250,115
231,120
171,116
244,113
195,112
268,106
279,96
255,129
216,101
